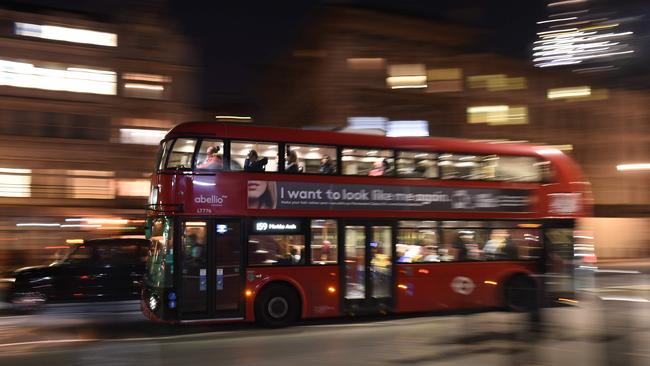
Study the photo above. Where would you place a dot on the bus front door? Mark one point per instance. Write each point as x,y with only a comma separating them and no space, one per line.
368,267
210,270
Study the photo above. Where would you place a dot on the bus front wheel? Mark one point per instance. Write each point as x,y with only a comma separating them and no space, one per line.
520,293
277,306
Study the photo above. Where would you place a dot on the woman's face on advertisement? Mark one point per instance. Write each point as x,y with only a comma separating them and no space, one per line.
256,188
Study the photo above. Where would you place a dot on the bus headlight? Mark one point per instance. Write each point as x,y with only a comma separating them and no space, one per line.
153,303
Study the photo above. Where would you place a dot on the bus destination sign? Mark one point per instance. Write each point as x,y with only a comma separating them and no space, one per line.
302,195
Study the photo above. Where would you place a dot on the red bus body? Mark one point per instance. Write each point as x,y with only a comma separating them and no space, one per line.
418,287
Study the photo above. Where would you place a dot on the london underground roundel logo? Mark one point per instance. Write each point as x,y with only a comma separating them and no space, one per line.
462,285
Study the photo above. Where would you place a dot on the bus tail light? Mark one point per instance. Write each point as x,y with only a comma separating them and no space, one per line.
248,293
331,289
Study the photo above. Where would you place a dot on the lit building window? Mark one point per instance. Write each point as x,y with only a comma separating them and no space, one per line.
444,80
366,63
407,128
407,76
15,182
148,86
133,187
141,136
91,184
72,79
498,115
383,126
67,34
496,82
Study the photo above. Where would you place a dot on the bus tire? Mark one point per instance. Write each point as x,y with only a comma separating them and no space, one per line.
278,305
520,293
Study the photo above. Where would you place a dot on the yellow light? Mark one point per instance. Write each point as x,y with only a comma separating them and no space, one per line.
568,300
488,109
529,226
641,166
74,241
107,221
144,86
248,293
331,289
490,283
195,223
402,286
573,92
241,118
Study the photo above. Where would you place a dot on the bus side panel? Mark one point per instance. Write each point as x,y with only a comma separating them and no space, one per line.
318,287
459,285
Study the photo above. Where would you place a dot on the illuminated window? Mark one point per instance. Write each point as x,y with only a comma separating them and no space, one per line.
148,86
63,78
67,34
181,154
417,241
311,159
368,162
91,184
366,63
414,164
407,76
210,155
324,241
498,115
15,182
444,80
133,187
496,82
141,136
266,159
407,128
276,249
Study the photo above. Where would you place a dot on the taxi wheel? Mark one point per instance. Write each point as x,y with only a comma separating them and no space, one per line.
277,306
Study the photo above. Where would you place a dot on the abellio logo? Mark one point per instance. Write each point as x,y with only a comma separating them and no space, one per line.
213,199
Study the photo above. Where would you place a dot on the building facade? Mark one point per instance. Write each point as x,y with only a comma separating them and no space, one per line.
84,101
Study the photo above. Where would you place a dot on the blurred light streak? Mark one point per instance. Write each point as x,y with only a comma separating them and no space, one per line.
67,34
37,224
57,247
568,300
488,109
490,283
572,92
566,2
74,241
80,226
239,118
627,167
556,20
141,136
624,298
144,86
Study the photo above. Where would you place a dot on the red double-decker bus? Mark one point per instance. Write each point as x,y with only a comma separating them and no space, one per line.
273,224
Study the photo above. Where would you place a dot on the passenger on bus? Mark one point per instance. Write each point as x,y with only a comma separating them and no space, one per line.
254,164
292,163
326,165
213,161
377,170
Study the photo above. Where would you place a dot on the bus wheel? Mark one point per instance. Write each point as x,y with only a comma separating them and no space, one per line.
520,293
277,306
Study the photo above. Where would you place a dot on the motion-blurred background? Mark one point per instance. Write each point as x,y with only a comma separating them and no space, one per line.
88,89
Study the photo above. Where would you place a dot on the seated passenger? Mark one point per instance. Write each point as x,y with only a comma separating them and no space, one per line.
378,169
253,163
213,161
292,163
326,165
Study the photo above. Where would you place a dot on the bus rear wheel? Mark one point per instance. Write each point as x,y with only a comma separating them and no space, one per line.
277,306
520,293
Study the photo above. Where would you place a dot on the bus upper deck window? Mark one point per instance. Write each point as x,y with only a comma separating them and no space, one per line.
312,159
164,151
181,154
210,155
241,151
372,162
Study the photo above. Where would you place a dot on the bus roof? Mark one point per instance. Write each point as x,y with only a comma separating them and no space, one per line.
281,134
